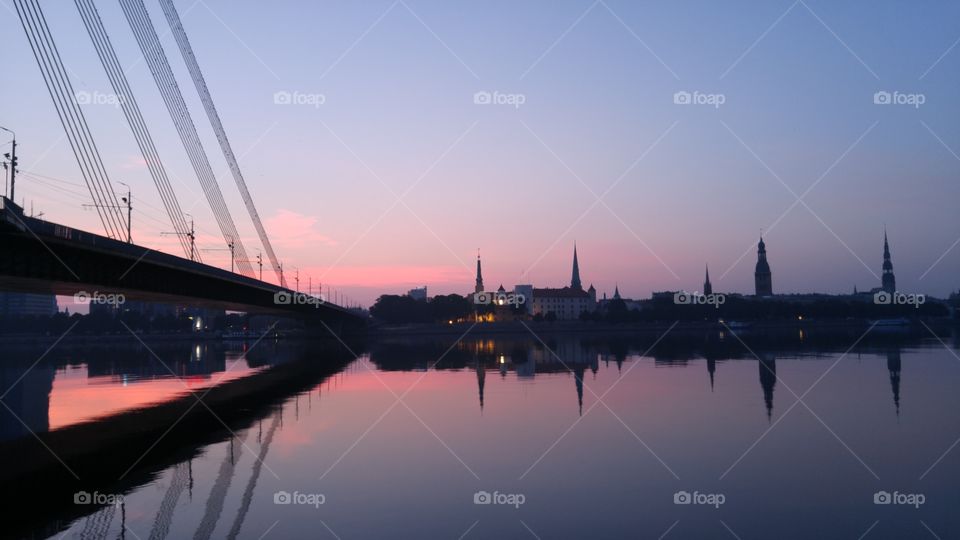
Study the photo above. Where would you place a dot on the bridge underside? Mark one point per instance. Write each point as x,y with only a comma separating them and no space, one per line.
43,257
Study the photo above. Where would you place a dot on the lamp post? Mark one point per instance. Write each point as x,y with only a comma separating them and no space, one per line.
190,235
12,156
129,200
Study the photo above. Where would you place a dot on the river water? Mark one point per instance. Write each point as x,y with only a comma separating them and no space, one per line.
528,436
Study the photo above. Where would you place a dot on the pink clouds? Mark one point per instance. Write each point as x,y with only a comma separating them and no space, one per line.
134,162
291,230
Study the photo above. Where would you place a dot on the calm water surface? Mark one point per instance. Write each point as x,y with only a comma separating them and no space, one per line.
564,438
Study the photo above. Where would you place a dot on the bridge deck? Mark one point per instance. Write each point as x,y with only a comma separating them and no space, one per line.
41,256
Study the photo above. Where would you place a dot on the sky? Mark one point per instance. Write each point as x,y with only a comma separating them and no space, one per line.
421,131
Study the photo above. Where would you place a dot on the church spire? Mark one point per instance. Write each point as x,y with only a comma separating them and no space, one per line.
479,286
707,286
575,280
888,280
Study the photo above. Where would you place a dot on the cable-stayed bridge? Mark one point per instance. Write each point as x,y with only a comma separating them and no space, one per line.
44,257
47,257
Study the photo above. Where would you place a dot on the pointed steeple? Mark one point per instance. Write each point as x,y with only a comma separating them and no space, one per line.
479,286
888,280
616,292
575,279
707,286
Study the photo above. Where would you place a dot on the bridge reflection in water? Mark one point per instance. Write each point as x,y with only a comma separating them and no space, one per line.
79,383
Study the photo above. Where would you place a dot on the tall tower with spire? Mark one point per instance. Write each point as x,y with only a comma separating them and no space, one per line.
479,286
707,287
575,279
762,279
888,281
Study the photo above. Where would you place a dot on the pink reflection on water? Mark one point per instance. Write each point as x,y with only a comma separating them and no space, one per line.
77,397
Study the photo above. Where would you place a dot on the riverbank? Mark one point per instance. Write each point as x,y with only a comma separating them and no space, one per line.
658,327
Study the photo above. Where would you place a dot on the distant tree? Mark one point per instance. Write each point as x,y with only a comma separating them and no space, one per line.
396,309
617,311
450,307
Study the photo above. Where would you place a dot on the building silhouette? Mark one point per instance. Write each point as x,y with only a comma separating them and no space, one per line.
707,287
13,304
419,293
566,303
888,281
763,282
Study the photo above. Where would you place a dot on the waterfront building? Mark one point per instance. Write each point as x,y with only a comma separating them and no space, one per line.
565,303
419,293
13,304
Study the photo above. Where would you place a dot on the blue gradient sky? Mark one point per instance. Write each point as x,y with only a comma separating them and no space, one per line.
687,185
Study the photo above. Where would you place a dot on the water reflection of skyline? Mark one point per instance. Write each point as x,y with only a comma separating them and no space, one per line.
526,358
233,469
65,377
